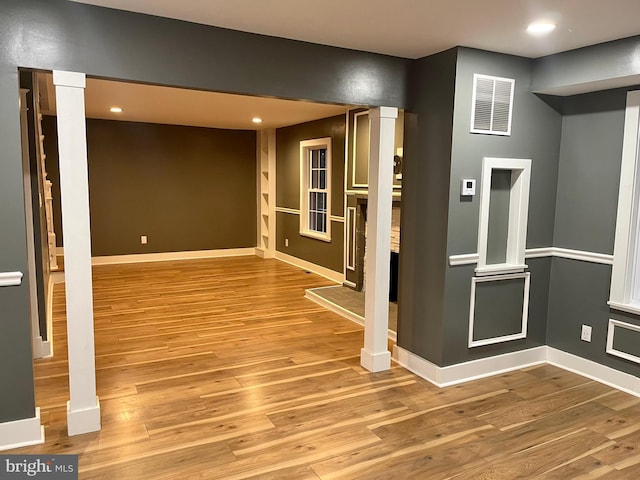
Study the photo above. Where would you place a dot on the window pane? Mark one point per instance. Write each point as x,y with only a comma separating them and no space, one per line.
314,159
323,180
322,203
315,179
313,201
322,154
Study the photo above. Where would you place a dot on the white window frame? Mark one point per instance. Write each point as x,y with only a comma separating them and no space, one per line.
306,146
518,215
626,250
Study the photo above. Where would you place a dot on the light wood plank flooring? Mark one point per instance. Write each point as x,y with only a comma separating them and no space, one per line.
221,369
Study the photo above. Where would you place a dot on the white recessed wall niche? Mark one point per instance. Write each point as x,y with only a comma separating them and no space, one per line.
504,207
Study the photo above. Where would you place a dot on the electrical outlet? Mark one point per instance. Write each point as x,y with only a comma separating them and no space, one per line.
143,239
286,242
585,335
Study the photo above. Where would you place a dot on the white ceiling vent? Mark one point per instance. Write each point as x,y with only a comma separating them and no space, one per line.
492,105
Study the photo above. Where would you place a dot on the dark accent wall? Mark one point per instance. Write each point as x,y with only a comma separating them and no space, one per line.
588,183
425,203
596,67
109,43
325,254
535,134
590,159
185,188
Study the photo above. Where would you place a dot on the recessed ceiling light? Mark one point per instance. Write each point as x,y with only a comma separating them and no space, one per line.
115,110
541,28
256,120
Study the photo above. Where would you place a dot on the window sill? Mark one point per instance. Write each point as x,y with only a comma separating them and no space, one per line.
316,236
624,307
499,269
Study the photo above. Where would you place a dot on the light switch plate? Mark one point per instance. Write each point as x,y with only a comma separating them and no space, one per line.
468,187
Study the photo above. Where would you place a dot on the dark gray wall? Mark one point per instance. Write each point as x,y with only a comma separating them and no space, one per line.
598,67
185,188
425,201
535,134
588,182
589,173
62,35
325,254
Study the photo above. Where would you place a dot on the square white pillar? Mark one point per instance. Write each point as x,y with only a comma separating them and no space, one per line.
375,355
83,408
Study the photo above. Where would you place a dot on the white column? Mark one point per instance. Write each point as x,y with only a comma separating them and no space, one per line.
375,356
83,409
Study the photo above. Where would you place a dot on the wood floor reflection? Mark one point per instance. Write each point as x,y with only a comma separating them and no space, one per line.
221,369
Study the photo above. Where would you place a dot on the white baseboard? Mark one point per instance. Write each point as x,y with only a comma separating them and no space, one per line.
83,421
375,362
165,256
343,312
312,267
468,371
486,367
595,371
21,433
42,349
262,253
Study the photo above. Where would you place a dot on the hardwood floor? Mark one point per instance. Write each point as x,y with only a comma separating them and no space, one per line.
221,369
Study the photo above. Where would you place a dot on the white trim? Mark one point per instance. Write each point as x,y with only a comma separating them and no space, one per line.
41,348
627,215
365,193
496,365
592,257
350,244
292,211
518,209
468,371
610,337
336,218
83,421
307,146
165,256
10,279
21,433
525,310
344,194
623,307
354,163
337,277
463,259
600,373
347,283
540,252
343,312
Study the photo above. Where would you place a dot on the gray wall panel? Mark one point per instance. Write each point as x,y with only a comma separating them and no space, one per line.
608,65
425,199
16,374
535,134
325,254
288,160
456,323
185,188
498,308
589,174
578,296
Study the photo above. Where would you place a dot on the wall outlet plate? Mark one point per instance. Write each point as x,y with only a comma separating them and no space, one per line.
585,334
143,239
468,187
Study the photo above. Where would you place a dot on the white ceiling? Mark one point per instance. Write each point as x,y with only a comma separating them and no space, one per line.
410,28
176,106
